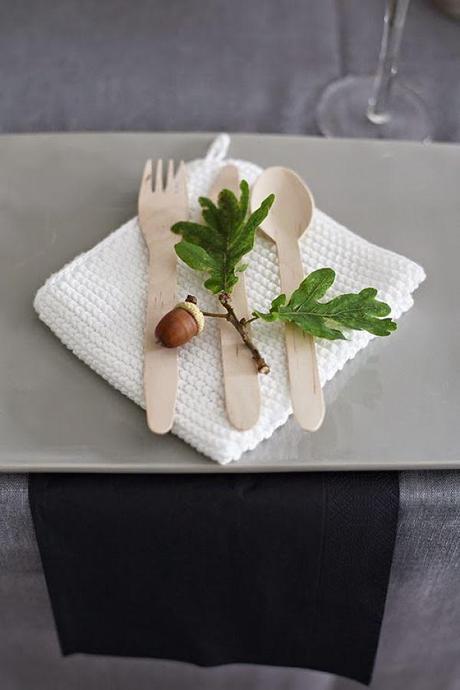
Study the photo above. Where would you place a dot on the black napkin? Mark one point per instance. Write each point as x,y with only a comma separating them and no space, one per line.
275,569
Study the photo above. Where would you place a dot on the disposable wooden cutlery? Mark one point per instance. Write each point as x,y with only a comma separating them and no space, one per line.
288,220
161,204
241,382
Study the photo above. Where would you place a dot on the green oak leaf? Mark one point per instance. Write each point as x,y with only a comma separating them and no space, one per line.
227,234
360,311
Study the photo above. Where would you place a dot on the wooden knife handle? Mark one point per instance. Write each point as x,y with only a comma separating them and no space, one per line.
241,383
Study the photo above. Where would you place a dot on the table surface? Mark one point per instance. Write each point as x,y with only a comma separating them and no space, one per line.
395,406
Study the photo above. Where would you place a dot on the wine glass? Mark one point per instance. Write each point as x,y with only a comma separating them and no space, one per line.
376,107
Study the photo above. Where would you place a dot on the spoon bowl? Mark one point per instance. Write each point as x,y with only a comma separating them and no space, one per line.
293,208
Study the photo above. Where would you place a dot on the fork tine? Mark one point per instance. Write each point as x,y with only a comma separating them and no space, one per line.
159,176
170,174
146,183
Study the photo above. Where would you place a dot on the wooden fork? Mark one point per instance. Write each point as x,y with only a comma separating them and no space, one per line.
160,206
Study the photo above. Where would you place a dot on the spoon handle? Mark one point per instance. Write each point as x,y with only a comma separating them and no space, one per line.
241,381
306,393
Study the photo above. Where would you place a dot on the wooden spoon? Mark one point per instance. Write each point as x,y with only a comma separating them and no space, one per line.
288,220
241,381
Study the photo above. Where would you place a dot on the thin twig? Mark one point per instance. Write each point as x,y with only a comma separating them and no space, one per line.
241,327
245,322
215,316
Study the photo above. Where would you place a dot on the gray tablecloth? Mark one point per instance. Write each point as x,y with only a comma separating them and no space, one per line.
419,648
210,65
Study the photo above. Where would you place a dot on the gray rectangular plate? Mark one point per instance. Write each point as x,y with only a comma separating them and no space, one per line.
395,406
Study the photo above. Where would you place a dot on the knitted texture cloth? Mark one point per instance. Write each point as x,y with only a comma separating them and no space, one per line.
96,306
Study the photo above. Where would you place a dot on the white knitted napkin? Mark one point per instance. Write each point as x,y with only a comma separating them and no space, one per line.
96,306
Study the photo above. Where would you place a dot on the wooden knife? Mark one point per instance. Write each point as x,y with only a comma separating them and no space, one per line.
241,380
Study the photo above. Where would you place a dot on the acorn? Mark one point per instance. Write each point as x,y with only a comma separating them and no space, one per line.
180,324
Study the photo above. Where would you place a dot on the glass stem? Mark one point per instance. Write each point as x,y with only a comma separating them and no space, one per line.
393,27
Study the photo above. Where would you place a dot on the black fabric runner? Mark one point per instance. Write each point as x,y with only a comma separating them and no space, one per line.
274,569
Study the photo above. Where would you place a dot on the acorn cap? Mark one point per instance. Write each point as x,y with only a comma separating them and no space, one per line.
195,311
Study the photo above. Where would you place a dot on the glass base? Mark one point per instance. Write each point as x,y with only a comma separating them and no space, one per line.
342,112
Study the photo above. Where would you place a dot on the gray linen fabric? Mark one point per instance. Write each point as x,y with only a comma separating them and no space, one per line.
419,648
209,65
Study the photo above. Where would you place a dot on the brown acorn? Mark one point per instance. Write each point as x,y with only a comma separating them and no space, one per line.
180,325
